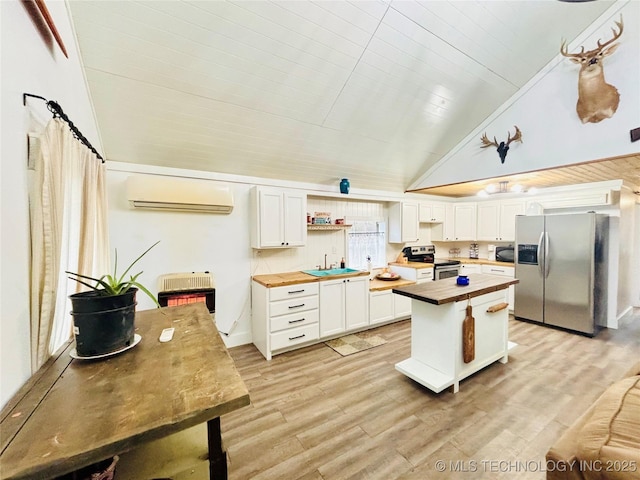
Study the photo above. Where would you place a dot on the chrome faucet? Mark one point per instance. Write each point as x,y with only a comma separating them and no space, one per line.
320,267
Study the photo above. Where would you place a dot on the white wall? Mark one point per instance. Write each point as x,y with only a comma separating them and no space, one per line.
31,63
544,110
220,243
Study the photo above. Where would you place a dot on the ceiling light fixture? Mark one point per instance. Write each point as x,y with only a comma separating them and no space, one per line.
502,187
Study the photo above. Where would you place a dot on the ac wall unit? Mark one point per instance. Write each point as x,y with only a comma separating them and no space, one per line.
165,193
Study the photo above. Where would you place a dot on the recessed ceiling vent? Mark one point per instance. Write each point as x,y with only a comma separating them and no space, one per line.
186,195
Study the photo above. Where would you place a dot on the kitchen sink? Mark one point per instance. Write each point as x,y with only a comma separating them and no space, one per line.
331,271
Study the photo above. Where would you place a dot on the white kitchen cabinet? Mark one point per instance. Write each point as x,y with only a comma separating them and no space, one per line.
506,271
381,308
431,212
497,220
403,222
343,305
445,231
508,212
469,268
401,306
488,221
279,218
385,306
465,221
284,317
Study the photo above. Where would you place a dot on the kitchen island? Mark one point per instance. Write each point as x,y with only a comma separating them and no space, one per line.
438,312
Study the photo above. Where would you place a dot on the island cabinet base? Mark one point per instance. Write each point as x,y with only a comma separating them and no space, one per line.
436,340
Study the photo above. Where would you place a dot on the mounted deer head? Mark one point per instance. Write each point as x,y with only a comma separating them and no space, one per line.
597,99
502,147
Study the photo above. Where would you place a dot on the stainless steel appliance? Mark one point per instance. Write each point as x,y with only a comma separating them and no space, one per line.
561,263
445,269
420,253
426,253
505,254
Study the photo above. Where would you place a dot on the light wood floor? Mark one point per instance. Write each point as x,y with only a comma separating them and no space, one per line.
317,415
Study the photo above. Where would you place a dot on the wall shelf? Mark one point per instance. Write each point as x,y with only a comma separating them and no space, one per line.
333,226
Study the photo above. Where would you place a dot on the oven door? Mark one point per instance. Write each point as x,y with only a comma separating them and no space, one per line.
448,271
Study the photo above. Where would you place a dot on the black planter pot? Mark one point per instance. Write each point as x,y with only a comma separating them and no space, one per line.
103,324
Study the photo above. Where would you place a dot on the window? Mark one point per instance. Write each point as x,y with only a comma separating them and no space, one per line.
366,239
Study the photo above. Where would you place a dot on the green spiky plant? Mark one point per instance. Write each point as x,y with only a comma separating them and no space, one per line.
109,285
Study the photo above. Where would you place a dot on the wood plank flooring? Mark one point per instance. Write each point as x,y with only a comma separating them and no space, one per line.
317,415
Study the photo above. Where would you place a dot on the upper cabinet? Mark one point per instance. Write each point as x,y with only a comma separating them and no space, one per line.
459,223
431,212
497,220
279,218
465,221
445,231
403,222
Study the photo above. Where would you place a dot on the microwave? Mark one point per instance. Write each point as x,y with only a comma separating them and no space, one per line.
505,254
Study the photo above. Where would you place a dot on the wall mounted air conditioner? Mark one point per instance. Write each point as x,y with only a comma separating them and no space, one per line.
186,195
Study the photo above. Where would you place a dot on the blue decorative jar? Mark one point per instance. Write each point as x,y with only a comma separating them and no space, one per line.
462,280
344,185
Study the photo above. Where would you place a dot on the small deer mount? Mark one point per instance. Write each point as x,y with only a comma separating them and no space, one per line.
502,147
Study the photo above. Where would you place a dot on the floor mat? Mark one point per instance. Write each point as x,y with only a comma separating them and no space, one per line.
355,343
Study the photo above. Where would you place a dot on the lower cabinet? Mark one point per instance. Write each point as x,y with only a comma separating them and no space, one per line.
468,268
381,307
504,272
386,306
284,317
344,305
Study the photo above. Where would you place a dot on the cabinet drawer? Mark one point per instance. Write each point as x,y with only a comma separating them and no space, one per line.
293,291
294,336
496,270
293,305
294,320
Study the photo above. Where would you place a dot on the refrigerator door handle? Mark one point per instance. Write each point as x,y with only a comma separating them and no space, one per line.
547,263
540,254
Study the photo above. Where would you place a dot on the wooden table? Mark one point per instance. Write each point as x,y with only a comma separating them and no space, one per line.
73,413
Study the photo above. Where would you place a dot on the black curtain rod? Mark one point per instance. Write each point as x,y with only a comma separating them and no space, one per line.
57,111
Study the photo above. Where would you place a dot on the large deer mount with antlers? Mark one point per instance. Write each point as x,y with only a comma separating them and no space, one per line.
502,147
597,100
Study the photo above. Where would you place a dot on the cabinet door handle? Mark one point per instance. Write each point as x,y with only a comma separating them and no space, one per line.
296,321
299,336
296,306
295,291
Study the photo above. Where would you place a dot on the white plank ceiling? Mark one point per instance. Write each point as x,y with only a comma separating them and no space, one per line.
376,91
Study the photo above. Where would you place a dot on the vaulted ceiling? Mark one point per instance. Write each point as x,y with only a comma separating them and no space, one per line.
373,90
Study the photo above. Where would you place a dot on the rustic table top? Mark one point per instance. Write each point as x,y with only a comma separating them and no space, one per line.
447,291
73,413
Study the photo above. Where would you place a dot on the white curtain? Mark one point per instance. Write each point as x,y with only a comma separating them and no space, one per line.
68,205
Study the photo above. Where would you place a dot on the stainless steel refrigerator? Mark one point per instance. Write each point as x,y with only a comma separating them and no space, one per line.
561,262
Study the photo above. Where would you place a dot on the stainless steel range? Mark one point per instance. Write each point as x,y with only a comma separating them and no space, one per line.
442,268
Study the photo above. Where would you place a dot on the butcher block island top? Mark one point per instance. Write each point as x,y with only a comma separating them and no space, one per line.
447,290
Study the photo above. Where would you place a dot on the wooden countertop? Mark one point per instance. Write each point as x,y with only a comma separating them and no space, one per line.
482,261
447,291
412,264
271,280
376,285
73,413
474,261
